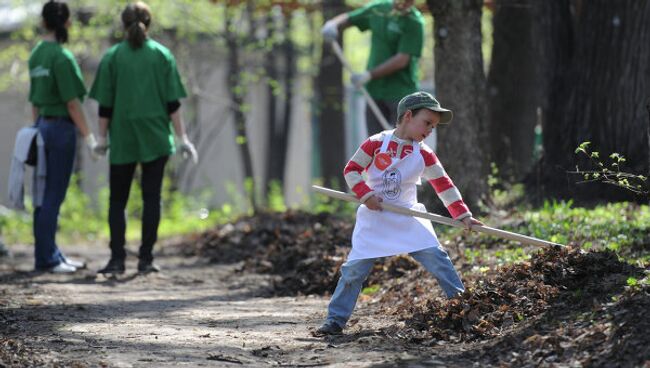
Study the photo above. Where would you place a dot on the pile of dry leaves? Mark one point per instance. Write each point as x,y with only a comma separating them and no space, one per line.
304,250
518,292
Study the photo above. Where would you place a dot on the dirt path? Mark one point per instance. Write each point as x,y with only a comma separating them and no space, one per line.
192,314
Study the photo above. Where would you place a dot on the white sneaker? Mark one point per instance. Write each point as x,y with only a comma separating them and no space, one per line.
74,263
63,268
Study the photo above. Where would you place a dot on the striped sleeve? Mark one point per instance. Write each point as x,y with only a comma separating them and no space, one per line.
357,164
444,187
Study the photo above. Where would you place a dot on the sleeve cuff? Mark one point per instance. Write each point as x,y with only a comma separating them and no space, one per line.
462,216
173,106
105,112
365,197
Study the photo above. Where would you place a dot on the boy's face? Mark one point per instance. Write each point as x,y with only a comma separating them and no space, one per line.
420,125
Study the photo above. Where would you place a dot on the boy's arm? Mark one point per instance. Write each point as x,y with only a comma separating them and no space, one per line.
444,187
355,167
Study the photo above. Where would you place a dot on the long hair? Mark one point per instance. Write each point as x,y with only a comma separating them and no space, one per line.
136,19
55,14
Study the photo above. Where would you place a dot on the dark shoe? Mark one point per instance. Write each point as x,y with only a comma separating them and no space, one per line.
147,267
328,328
114,266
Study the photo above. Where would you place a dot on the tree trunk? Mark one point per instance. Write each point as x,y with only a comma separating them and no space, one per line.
601,96
460,85
237,92
513,88
272,77
280,125
329,108
554,35
289,75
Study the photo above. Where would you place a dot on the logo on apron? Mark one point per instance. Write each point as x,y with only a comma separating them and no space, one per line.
392,180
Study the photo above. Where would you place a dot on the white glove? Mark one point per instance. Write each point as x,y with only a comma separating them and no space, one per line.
330,31
101,147
359,79
91,143
187,149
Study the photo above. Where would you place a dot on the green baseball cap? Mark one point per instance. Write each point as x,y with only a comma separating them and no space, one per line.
419,100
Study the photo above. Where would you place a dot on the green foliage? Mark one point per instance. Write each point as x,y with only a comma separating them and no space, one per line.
322,203
620,227
501,194
623,228
632,281
610,172
480,255
80,221
370,290
636,284
275,199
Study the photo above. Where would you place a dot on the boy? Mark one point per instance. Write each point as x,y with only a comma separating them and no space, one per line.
395,160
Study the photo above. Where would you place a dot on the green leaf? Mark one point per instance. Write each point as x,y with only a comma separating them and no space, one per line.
632,281
370,290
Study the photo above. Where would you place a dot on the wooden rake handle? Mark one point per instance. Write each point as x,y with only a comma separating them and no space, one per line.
441,219
371,103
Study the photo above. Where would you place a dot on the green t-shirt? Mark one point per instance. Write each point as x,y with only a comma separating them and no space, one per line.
55,78
392,33
137,84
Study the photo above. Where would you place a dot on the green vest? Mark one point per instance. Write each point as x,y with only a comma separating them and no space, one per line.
55,78
137,84
391,34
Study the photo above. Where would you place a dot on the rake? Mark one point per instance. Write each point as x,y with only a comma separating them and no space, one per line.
442,219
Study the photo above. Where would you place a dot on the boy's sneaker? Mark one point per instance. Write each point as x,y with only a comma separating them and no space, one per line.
328,328
63,268
147,267
114,266
74,263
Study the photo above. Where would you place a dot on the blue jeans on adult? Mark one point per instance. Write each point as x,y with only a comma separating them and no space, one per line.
354,273
60,138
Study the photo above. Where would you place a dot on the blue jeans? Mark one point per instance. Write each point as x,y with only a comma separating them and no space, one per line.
354,273
60,137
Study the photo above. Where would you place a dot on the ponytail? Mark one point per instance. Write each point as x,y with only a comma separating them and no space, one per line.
136,35
55,14
136,19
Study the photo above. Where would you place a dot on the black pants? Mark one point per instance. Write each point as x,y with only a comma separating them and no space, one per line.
121,177
388,109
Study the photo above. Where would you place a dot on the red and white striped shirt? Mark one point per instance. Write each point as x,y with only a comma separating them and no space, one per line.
434,173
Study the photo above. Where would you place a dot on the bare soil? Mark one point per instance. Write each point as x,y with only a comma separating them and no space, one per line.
192,314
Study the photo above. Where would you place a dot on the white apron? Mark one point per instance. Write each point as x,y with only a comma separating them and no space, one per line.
384,233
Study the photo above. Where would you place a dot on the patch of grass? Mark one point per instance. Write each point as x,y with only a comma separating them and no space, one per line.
621,227
81,221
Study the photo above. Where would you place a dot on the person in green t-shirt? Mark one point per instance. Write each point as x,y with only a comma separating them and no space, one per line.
138,89
396,45
55,92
